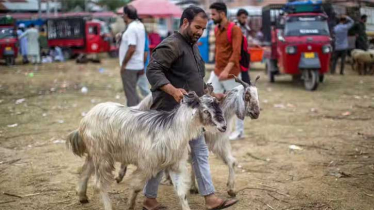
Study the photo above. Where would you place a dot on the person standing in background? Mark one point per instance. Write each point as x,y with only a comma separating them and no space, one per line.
23,43
143,83
131,54
43,41
360,31
242,17
227,57
341,42
33,49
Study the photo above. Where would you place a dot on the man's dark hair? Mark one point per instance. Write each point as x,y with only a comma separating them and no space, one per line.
191,12
363,17
131,12
241,12
219,6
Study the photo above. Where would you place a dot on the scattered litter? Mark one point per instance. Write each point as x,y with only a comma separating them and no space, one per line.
118,97
294,147
20,101
280,106
13,125
83,114
243,171
361,82
346,113
300,130
84,90
1,101
357,97
93,101
59,141
31,75
339,174
19,113
313,110
269,89
29,146
101,70
239,166
265,101
74,105
60,121
44,114
290,105
52,89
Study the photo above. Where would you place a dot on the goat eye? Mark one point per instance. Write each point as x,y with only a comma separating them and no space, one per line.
206,112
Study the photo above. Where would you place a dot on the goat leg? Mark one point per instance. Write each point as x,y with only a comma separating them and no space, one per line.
137,184
121,173
181,183
85,175
193,187
223,150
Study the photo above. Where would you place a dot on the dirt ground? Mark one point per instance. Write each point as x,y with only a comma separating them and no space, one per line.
308,150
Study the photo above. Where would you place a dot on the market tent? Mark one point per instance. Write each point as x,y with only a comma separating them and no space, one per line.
155,8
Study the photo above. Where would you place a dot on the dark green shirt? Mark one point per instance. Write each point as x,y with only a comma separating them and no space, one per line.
361,40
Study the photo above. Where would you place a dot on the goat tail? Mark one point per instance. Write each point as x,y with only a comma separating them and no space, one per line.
76,144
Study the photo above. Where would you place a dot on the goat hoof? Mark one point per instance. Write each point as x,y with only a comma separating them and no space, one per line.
231,193
83,200
194,191
118,180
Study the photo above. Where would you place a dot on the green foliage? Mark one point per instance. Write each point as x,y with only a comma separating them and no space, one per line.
113,4
69,5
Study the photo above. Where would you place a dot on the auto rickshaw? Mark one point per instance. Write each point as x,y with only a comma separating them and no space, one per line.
300,41
8,40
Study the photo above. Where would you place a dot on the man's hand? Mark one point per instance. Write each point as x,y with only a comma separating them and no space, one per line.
123,69
219,96
178,94
224,75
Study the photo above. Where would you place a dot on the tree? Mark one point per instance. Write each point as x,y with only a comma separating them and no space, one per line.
68,5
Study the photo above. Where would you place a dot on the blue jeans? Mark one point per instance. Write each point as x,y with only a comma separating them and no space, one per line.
143,85
200,164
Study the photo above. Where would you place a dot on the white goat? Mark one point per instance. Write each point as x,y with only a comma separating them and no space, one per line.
362,61
151,140
240,101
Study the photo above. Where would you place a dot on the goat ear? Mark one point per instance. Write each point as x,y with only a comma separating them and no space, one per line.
209,89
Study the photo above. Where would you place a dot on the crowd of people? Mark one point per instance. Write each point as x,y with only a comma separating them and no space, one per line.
34,46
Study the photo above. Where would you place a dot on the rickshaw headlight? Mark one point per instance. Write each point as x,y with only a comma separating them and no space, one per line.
327,49
291,50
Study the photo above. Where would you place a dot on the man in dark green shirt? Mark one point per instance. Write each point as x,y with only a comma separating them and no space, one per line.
360,31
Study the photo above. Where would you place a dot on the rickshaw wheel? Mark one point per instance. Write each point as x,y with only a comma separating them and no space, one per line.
311,79
9,61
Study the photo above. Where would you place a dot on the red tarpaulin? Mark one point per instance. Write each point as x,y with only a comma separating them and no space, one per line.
155,8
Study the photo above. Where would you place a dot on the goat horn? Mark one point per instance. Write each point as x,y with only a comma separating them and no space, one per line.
240,81
257,78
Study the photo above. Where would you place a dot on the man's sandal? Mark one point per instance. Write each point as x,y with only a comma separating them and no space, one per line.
224,204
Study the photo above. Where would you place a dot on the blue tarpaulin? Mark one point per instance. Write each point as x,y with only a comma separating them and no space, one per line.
37,22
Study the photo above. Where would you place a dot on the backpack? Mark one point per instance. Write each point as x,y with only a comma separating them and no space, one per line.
244,53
